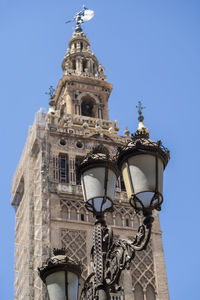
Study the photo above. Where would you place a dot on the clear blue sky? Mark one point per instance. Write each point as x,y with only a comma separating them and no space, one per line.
151,52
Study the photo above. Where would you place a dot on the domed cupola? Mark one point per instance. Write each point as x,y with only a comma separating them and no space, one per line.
80,60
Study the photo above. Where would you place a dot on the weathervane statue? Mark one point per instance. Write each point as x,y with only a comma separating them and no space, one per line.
82,16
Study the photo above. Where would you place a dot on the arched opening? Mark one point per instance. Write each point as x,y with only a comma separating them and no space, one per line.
74,64
150,293
118,220
84,64
139,295
62,110
87,107
81,46
127,221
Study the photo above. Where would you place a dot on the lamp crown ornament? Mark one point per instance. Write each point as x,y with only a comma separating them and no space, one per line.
59,262
58,251
98,154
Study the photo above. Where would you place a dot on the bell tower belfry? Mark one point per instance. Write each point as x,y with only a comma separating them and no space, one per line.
83,90
47,195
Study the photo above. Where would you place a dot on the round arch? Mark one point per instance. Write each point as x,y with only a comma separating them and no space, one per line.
88,105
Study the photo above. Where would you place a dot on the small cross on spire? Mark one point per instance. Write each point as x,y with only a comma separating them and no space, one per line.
51,92
140,109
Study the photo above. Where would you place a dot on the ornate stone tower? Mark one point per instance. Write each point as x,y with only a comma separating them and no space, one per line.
47,194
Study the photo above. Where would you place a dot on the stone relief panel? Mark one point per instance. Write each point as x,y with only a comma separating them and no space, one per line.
75,243
75,210
122,216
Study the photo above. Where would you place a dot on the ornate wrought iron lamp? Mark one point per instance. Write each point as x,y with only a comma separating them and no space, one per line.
60,274
142,162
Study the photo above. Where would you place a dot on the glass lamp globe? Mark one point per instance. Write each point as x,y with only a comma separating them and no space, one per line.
99,175
142,163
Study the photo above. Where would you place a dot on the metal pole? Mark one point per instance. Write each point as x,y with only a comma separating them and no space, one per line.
99,257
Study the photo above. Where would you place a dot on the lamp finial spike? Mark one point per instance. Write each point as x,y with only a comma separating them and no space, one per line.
142,131
140,109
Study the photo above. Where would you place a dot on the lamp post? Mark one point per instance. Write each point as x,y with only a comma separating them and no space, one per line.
142,162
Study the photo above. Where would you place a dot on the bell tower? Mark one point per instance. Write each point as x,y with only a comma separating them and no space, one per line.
46,192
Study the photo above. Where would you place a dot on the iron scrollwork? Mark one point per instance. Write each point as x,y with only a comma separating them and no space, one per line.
109,258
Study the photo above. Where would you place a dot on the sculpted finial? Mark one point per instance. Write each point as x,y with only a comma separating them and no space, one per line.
82,16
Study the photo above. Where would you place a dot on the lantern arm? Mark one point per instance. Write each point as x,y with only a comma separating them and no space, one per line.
143,235
110,257
142,238
122,252
88,291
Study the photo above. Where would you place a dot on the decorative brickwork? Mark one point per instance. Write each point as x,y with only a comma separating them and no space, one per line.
142,268
75,243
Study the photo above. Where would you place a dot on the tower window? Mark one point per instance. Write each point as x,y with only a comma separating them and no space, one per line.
127,222
77,164
63,168
82,217
81,46
87,108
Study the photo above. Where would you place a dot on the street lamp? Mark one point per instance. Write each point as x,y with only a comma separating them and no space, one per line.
60,275
142,163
